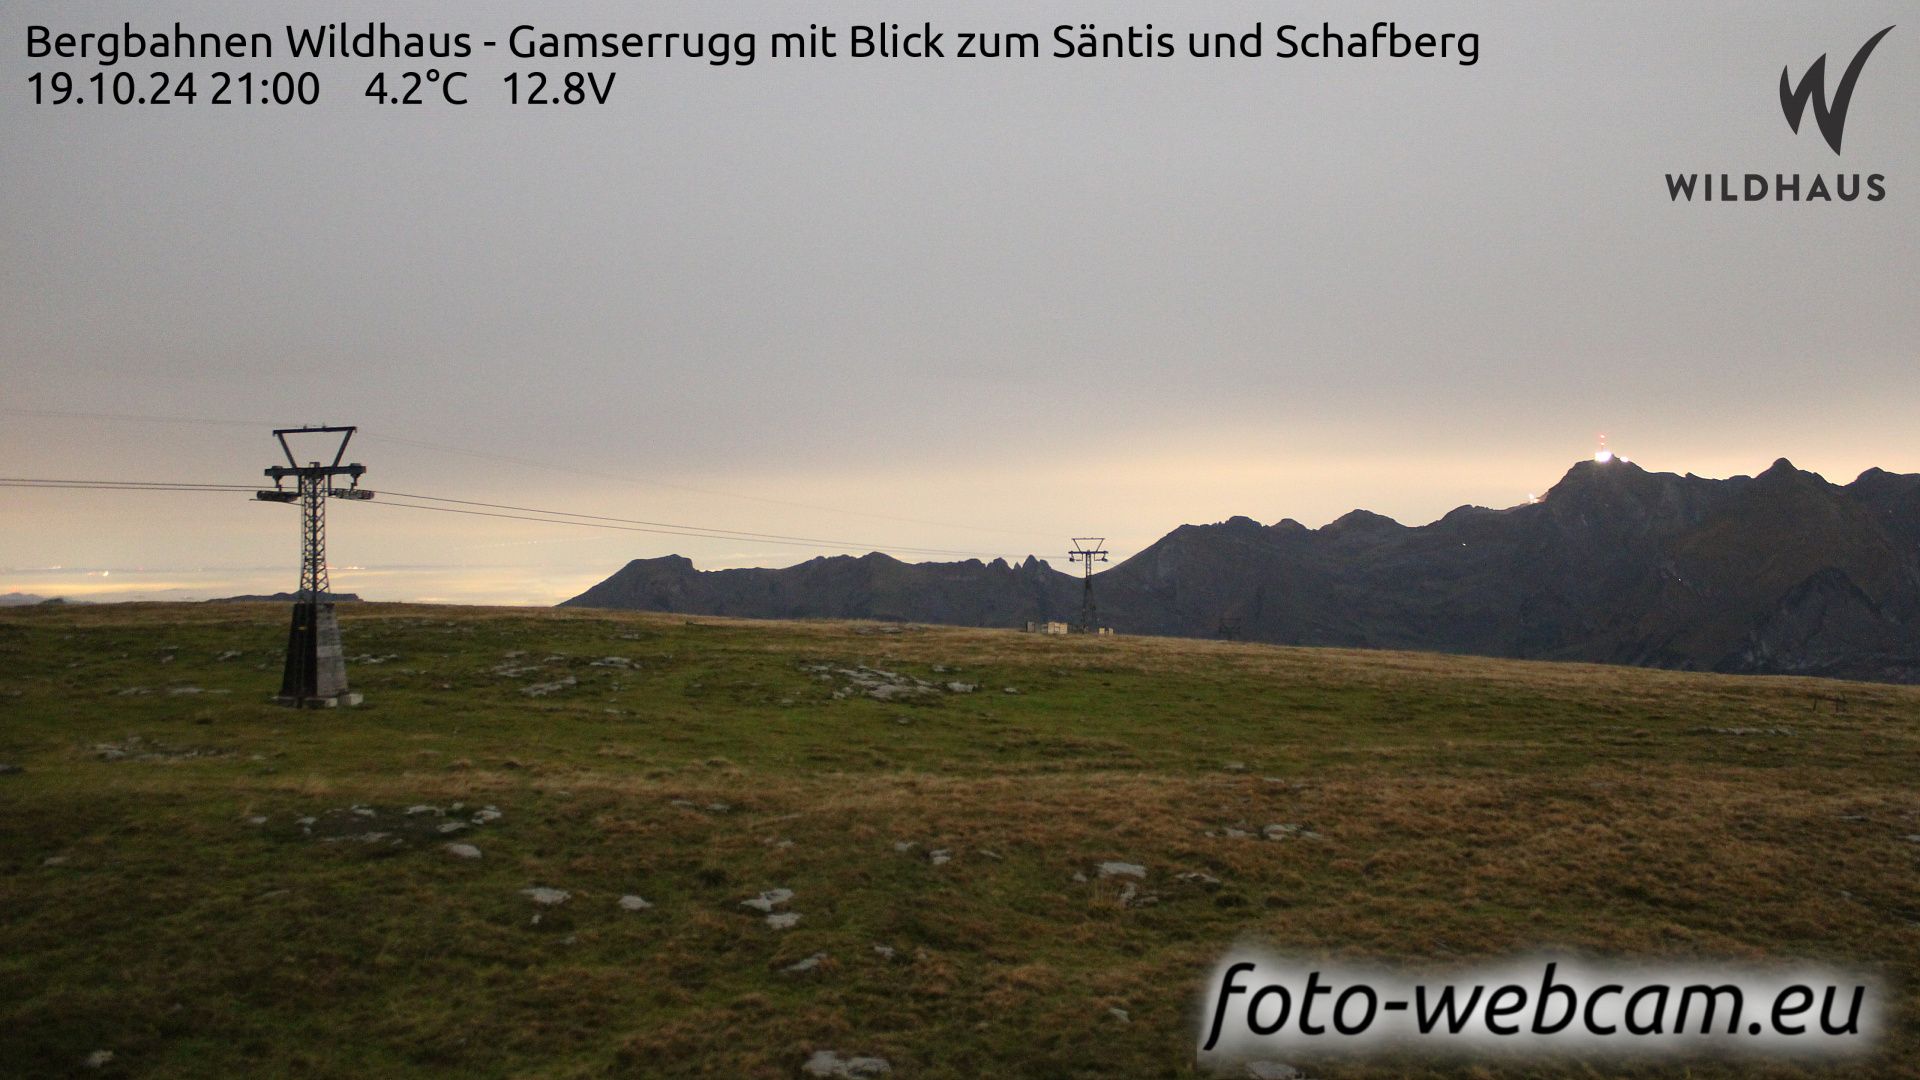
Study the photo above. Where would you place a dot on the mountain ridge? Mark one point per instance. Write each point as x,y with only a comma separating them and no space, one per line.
1783,572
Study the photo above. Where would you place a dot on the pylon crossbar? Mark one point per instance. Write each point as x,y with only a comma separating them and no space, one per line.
340,452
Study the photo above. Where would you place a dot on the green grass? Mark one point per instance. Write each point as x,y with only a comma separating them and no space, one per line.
1469,808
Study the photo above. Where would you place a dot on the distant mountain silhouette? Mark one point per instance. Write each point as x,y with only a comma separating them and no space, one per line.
1777,573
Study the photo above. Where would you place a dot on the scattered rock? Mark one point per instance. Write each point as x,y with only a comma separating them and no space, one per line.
783,920
985,854
811,963
631,902
135,748
54,860
612,661
448,828
230,654
486,815
465,851
1010,690
257,819
769,900
826,1063
904,846
1195,877
97,1060
940,857
554,687
1122,869
423,809
885,952
1120,1014
1236,766
546,897
880,684
1272,1070
1740,731
1280,832
896,691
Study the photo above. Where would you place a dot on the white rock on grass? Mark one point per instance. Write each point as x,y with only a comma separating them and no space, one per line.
826,1063
554,687
631,902
769,900
546,897
97,1060
1122,869
783,920
803,967
463,851
940,858
1272,1070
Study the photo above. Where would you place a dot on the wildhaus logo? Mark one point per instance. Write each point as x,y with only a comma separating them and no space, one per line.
1829,114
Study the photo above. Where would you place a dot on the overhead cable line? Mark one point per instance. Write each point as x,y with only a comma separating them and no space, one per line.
61,414
736,534
668,532
520,513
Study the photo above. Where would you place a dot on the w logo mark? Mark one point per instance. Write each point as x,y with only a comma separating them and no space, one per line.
1831,118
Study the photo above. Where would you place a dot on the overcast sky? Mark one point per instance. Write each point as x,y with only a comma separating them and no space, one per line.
963,304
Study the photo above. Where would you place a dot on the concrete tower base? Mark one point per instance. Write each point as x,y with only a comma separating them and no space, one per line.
316,671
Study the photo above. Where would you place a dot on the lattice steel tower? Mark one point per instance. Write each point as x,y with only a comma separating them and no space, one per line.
1087,551
316,672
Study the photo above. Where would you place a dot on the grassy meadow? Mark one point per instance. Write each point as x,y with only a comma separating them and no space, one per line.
187,881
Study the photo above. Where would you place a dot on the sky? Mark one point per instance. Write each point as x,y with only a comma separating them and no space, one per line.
978,306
